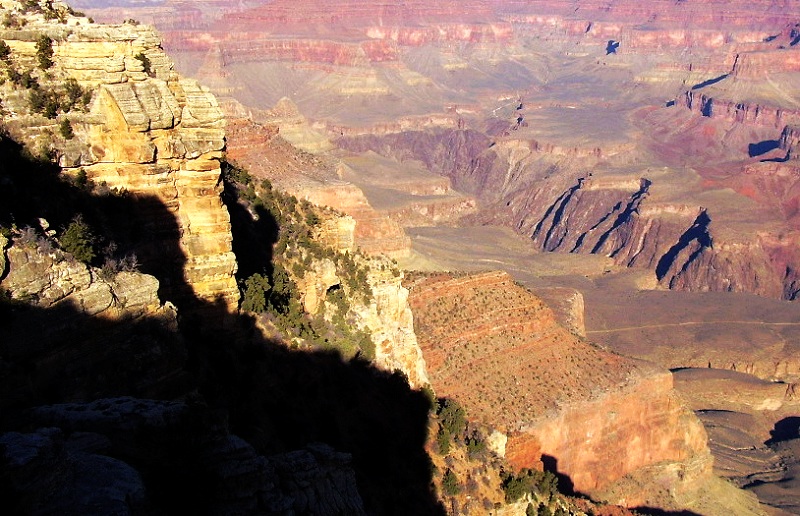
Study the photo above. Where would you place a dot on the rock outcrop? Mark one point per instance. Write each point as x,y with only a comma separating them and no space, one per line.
51,278
389,317
91,460
72,319
593,416
146,131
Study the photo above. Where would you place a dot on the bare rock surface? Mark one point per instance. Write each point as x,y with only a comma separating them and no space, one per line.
568,416
49,470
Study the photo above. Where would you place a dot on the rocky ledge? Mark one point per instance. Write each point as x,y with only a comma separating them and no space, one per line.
142,129
595,417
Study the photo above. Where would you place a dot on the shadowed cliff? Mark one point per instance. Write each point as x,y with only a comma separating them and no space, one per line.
230,381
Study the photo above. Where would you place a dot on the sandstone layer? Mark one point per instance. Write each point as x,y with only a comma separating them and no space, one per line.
593,416
147,131
267,155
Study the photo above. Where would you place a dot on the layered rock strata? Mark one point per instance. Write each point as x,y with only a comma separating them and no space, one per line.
752,428
616,215
148,132
593,416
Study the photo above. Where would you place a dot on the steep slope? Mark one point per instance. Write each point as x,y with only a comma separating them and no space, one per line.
141,128
599,419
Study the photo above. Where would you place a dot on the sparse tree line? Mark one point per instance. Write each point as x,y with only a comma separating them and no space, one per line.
45,99
273,292
36,88
47,8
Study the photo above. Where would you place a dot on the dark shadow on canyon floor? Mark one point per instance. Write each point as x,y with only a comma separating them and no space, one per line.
786,429
650,511
276,398
565,484
763,147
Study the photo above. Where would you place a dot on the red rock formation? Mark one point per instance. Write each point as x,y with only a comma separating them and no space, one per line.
261,150
497,349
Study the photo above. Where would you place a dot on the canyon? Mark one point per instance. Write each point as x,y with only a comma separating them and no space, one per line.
635,165
650,146
379,83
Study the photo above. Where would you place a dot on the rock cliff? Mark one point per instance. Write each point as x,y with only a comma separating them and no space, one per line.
675,53
385,314
636,220
146,131
596,417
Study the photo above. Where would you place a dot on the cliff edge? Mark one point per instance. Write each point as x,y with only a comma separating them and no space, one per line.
106,104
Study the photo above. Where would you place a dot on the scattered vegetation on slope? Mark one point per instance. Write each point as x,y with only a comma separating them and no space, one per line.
287,231
472,479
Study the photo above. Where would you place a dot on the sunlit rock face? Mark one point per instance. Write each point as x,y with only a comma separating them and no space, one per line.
262,149
386,315
596,417
149,132
668,92
468,346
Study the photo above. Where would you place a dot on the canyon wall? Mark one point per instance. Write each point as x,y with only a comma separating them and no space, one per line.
608,214
596,417
698,56
147,132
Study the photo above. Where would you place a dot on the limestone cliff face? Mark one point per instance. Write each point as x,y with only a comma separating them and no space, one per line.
385,314
147,131
374,233
389,317
596,417
645,423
